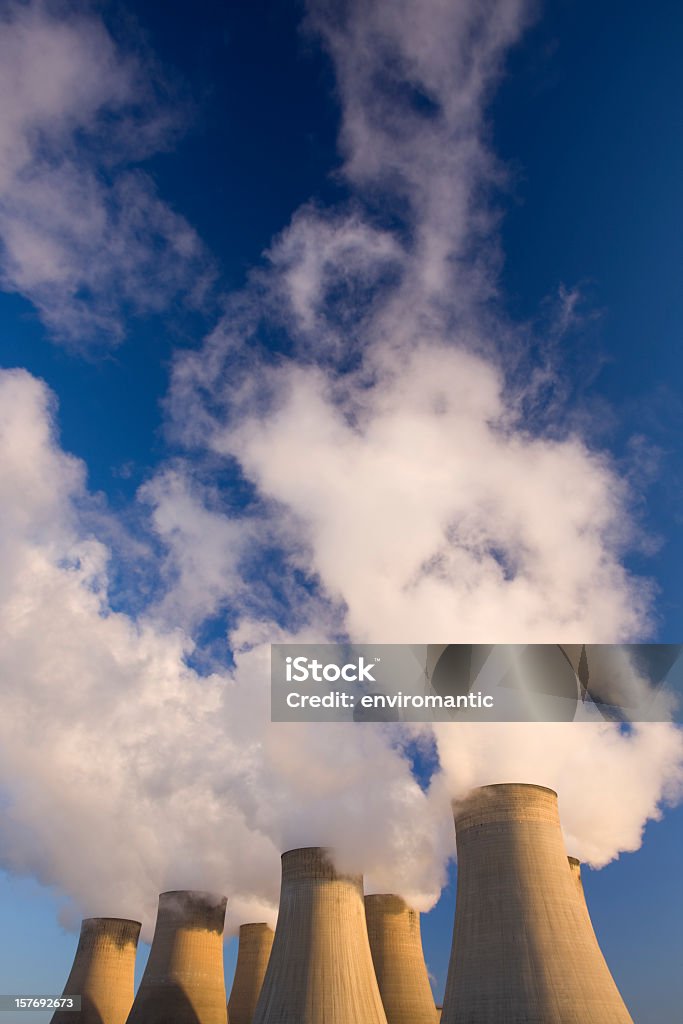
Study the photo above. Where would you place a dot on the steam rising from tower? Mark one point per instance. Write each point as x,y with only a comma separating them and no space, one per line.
396,946
103,972
320,967
256,941
523,945
183,981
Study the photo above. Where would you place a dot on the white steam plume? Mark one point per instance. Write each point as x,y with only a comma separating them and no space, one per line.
123,772
84,234
390,445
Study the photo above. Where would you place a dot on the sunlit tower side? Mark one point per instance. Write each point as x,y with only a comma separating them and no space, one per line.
255,944
575,869
523,945
396,947
320,969
103,972
183,982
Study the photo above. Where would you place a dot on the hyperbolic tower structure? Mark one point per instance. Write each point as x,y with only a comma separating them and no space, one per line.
183,982
255,943
575,868
320,969
524,949
103,972
396,947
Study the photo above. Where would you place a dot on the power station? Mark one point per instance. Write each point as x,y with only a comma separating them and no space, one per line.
396,947
523,949
103,972
320,969
253,953
183,982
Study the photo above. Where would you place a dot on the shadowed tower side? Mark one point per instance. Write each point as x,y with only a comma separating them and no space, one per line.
320,969
523,945
396,947
255,944
103,972
183,982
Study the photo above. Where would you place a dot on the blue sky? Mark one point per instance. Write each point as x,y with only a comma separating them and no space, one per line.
328,325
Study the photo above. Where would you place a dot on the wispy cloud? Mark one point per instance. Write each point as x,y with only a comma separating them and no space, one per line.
85,236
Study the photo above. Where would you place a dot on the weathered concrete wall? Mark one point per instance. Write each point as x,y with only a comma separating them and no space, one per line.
396,947
255,944
524,951
183,982
103,972
320,969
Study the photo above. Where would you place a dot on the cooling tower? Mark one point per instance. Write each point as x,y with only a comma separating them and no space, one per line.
256,941
575,869
183,982
396,947
320,969
102,973
523,949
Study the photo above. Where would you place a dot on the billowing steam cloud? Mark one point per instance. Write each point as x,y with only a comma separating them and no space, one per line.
124,772
396,493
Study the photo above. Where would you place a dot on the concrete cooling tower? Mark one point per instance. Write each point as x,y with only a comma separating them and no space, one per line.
575,868
183,982
102,973
396,947
523,949
320,969
253,953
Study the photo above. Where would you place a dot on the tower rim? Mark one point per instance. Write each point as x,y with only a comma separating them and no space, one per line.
503,785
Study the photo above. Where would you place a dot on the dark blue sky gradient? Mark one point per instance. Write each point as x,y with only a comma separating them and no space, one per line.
589,120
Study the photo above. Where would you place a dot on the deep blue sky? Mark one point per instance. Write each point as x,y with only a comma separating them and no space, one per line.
588,120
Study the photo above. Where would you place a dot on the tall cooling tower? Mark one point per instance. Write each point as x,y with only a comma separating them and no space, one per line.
575,872
102,973
255,944
575,869
183,982
523,949
320,969
396,947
